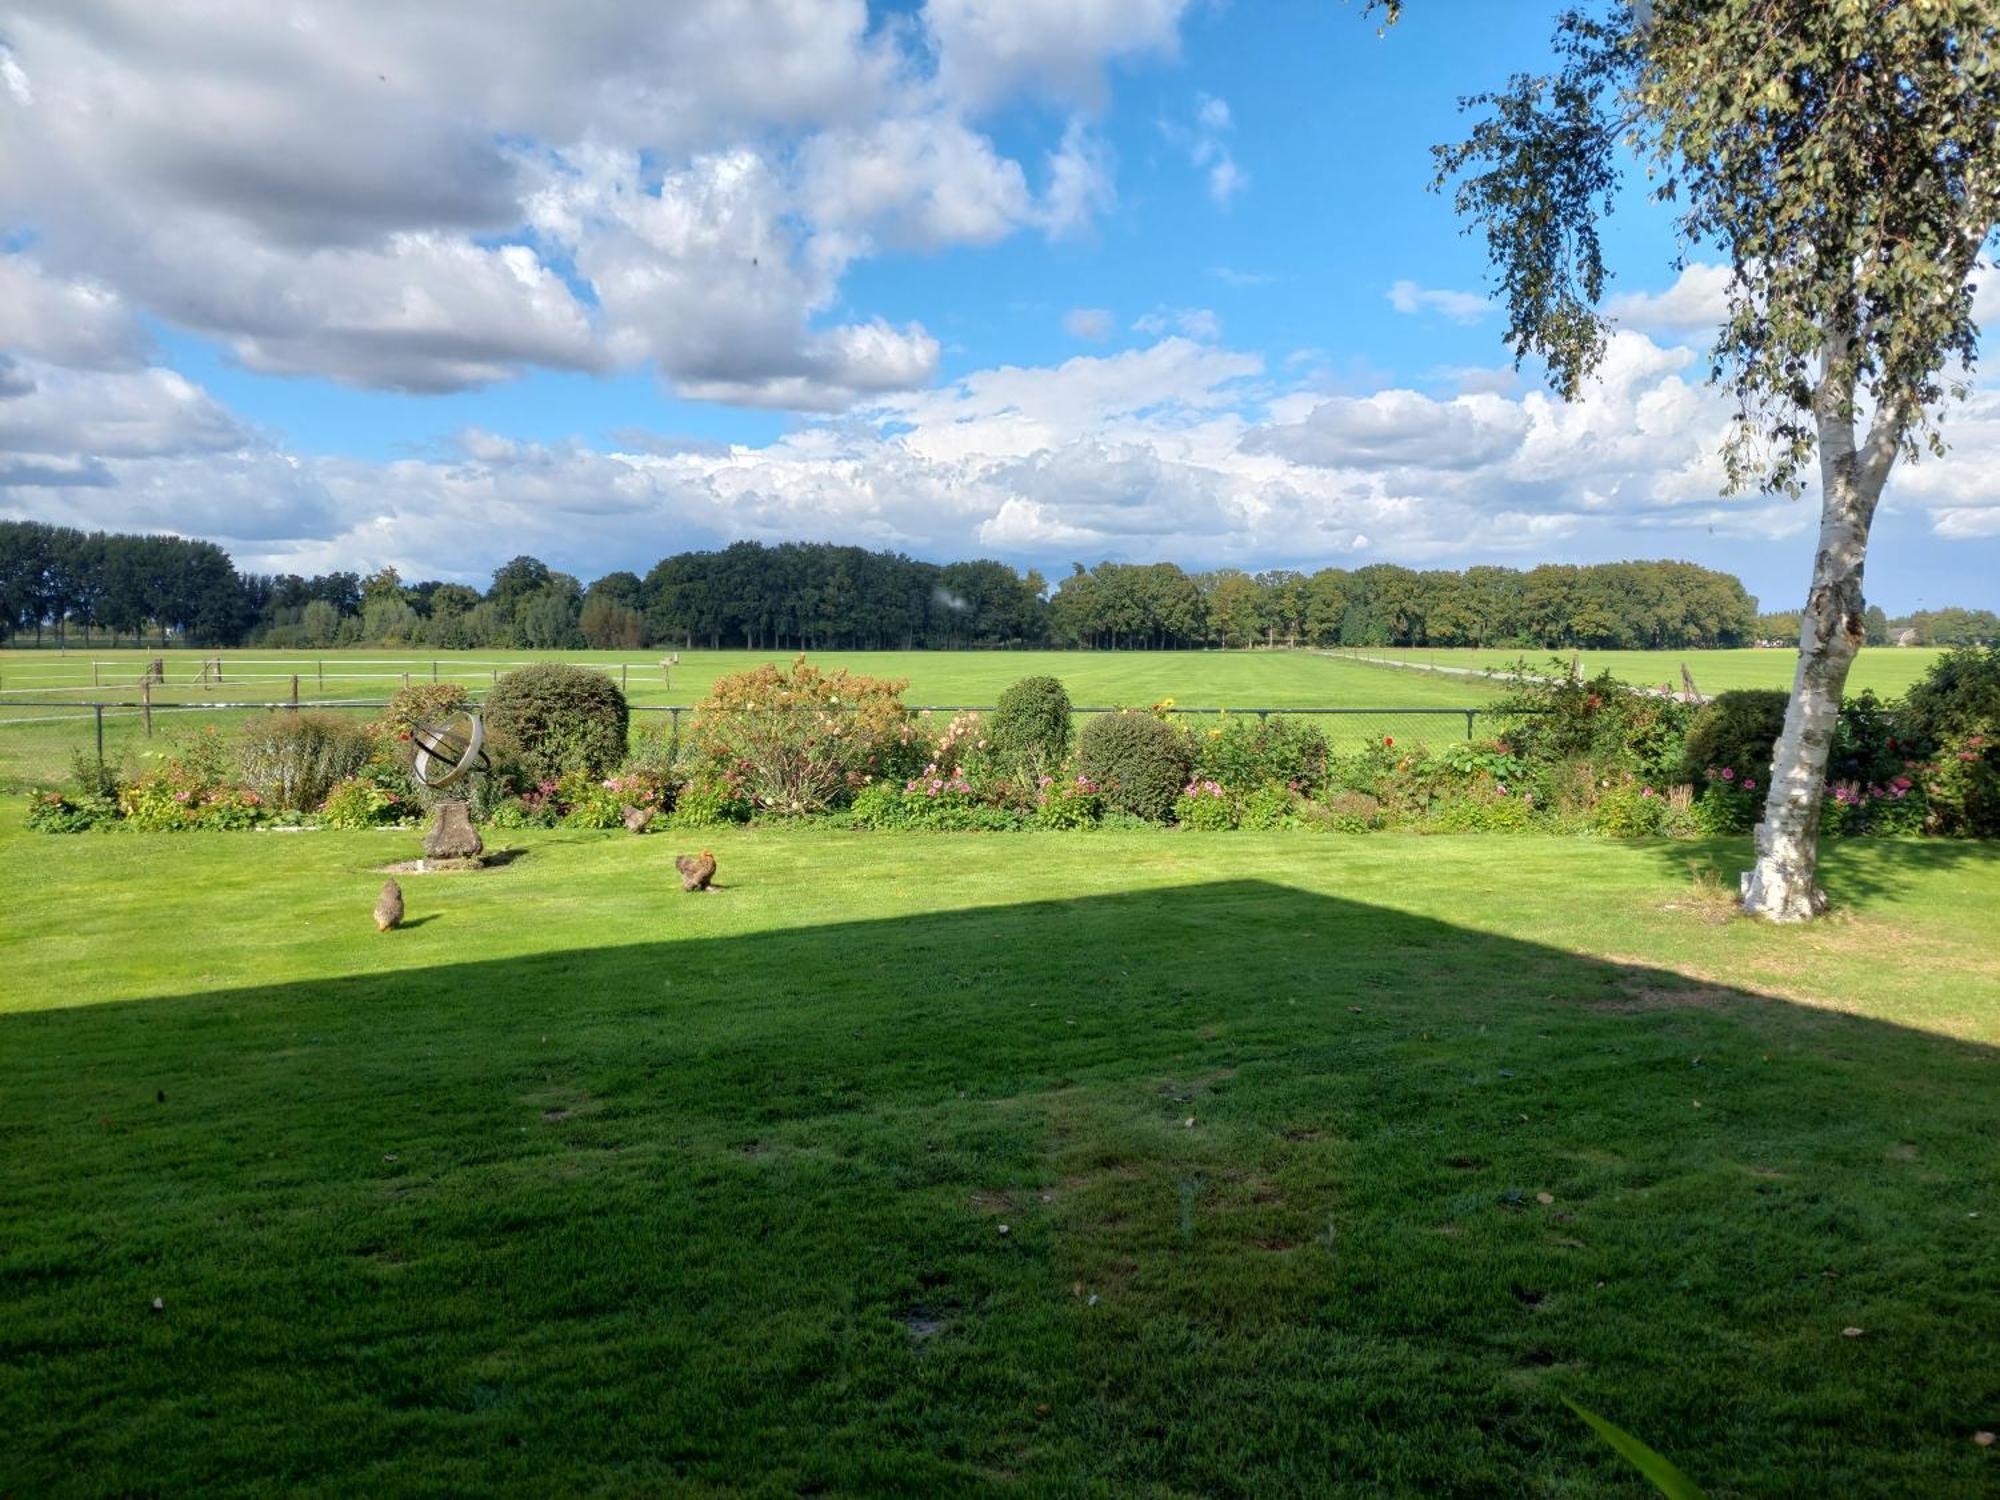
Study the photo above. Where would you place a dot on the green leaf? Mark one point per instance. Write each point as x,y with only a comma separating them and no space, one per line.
1667,1479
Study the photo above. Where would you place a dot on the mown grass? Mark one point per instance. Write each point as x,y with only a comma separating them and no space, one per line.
1284,679
37,741
583,1186
1889,671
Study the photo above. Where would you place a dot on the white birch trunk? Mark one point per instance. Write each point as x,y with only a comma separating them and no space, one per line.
1783,886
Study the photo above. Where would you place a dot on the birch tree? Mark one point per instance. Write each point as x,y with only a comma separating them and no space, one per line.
1840,156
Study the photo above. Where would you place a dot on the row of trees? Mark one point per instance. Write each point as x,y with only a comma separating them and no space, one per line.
1633,604
56,578
58,582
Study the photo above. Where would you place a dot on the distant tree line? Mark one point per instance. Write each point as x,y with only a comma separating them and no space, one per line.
1923,627
59,583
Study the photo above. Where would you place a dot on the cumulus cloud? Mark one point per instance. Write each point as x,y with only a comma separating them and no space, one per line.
1460,307
436,197
1696,303
985,48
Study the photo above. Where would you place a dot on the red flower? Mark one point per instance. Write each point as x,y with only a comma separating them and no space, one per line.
1387,741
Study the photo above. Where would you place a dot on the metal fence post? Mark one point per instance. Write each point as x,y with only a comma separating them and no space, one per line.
295,690
674,733
434,669
146,699
1470,714
100,732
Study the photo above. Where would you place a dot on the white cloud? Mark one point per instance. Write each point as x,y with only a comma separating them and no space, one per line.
1696,303
77,323
436,197
1093,323
1206,149
985,48
1460,307
1195,322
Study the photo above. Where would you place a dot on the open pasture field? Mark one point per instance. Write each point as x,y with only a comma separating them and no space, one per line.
1102,1164
1890,671
1116,679
36,740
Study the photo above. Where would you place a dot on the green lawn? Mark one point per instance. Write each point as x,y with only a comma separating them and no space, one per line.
1890,671
583,1186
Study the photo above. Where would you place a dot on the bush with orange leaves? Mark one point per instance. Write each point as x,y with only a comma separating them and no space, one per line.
803,740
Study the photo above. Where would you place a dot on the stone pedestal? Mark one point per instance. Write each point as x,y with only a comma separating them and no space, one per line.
452,836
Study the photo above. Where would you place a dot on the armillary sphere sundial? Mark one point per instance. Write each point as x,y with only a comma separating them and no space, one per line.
449,749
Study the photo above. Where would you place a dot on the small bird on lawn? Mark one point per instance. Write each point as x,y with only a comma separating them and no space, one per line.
697,870
389,907
636,818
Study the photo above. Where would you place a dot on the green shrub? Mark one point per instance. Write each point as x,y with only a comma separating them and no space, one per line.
709,799
1269,807
563,718
1486,807
878,805
161,802
70,812
361,803
94,778
589,802
1138,762
1205,805
511,812
191,788
1242,750
1030,730
1629,809
1068,802
1342,812
1551,719
292,759
1959,696
1736,731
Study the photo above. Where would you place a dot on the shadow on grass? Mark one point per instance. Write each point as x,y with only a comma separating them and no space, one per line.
1853,870
1220,1190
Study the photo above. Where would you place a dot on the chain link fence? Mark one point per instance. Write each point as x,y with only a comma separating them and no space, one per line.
43,741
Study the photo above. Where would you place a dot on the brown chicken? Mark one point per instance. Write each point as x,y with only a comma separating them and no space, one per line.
389,907
697,870
636,818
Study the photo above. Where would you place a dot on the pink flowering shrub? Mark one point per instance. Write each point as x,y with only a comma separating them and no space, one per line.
1205,804
804,740
1068,802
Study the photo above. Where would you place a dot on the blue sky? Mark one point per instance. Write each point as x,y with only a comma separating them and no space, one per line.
344,285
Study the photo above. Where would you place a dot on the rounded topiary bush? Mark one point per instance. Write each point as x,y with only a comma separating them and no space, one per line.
1030,726
563,718
1736,731
1139,762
